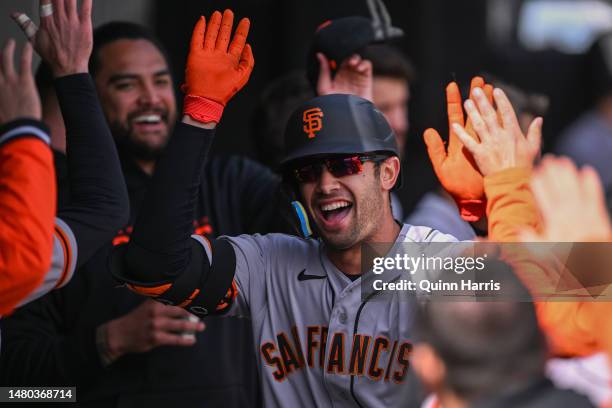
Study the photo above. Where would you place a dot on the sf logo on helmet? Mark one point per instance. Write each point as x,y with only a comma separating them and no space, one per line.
312,121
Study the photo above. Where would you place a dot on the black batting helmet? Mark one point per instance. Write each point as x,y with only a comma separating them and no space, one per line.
337,124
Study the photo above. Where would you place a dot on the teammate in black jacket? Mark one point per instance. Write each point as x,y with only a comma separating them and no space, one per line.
69,337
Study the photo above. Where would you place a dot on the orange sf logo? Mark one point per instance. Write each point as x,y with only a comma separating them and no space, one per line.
312,121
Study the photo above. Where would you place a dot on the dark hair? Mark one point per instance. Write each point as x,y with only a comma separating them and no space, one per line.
388,61
277,102
487,347
120,30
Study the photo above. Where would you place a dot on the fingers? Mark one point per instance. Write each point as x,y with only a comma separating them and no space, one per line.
435,148
504,107
488,90
247,62
25,69
197,38
488,114
477,82
225,32
167,339
472,145
46,9
453,105
476,120
71,8
212,31
324,81
59,9
592,188
8,67
85,13
364,67
534,134
27,26
240,37
179,325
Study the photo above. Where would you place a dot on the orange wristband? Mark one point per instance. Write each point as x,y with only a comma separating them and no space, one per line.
202,110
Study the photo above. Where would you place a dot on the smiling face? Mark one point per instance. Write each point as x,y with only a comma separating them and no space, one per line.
349,209
135,88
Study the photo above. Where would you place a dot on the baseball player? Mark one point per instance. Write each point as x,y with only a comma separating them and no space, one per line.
319,343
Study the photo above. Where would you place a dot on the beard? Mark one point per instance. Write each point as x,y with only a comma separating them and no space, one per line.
139,148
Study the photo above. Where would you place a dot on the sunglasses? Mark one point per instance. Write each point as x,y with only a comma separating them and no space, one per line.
338,166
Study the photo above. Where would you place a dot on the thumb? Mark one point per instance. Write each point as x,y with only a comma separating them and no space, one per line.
435,148
534,134
324,82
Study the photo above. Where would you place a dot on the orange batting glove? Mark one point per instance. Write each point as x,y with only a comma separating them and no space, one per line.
456,169
216,68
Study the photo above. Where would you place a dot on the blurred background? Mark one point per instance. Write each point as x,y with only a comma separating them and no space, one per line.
537,45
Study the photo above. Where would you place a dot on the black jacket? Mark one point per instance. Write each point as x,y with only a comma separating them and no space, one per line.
52,341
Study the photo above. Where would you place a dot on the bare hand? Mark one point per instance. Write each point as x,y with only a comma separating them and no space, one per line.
354,77
18,95
571,203
65,37
151,325
502,145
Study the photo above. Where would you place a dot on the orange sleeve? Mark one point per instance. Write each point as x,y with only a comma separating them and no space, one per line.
27,214
510,204
568,325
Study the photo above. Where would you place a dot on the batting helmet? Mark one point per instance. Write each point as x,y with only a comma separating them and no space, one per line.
334,125
337,124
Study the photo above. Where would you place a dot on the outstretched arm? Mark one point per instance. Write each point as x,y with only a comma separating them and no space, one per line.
27,183
159,260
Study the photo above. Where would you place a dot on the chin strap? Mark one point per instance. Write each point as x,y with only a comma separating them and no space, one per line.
303,218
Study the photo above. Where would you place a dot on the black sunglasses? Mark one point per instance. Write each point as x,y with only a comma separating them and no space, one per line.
338,166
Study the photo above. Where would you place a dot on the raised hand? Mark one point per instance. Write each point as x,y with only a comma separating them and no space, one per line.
354,77
18,95
217,68
456,169
502,144
571,203
64,39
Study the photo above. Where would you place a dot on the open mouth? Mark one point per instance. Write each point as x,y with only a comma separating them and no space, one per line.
333,213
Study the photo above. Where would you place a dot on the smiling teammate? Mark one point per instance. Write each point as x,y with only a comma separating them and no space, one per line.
318,342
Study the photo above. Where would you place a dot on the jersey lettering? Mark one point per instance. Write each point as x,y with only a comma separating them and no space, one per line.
380,358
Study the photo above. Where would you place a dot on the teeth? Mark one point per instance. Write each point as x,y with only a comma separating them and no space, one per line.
335,206
148,119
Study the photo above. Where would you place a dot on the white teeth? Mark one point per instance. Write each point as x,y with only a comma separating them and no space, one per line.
148,119
335,206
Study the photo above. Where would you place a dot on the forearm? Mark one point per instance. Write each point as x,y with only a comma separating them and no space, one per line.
510,204
27,209
159,249
99,203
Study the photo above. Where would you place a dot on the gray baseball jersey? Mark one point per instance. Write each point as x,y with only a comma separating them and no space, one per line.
319,344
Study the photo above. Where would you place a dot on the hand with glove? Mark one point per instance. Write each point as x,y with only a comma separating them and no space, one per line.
456,169
217,68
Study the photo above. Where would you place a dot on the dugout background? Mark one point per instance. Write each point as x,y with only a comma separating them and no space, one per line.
445,39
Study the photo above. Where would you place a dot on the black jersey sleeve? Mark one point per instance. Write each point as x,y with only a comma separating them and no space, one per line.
99,203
